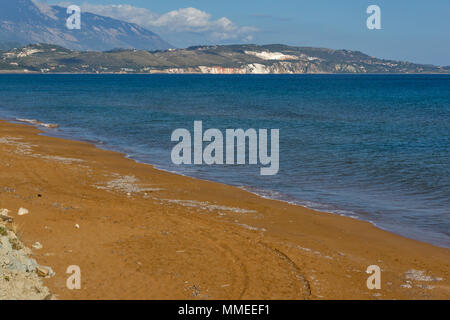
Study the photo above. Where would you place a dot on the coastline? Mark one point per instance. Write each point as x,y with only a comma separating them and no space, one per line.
48,130
167,236
22,72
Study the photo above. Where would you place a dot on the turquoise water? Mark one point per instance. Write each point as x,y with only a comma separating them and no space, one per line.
375,147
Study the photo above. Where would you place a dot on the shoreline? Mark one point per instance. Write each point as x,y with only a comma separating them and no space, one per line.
21,72
325,252
47,130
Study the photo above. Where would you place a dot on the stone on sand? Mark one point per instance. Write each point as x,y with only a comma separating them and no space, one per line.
22,211
42,272
4,215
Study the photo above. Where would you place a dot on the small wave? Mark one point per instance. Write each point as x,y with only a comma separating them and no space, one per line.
38,123
274,195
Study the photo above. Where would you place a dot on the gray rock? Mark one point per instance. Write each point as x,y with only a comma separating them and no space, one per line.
18,272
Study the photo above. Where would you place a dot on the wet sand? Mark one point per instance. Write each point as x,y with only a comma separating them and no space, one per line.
144,233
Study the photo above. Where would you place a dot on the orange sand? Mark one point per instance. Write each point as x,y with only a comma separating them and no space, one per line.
148,234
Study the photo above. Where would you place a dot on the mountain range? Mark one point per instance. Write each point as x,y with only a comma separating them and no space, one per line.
226,59
24,22
34,38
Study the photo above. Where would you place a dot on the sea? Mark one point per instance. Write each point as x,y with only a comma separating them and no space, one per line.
371,147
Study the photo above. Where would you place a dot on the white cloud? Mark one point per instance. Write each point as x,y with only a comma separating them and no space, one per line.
182,21
186,19
124,12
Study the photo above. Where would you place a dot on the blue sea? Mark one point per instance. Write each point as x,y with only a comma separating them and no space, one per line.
373,147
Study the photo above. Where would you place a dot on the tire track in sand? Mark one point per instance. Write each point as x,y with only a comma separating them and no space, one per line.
301,278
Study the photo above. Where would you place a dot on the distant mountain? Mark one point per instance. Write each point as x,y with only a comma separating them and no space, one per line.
239,59
8,45
27,22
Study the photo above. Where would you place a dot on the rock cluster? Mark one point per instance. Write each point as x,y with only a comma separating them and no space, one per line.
20,275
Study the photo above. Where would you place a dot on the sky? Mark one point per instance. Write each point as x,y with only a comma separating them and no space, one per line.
411,30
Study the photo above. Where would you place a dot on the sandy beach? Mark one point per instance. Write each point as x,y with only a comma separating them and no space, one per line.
141,233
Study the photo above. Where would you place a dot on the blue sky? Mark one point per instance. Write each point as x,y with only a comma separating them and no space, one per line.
412,30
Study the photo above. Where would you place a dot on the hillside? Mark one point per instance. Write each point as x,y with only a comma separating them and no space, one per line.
239,59
25,22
